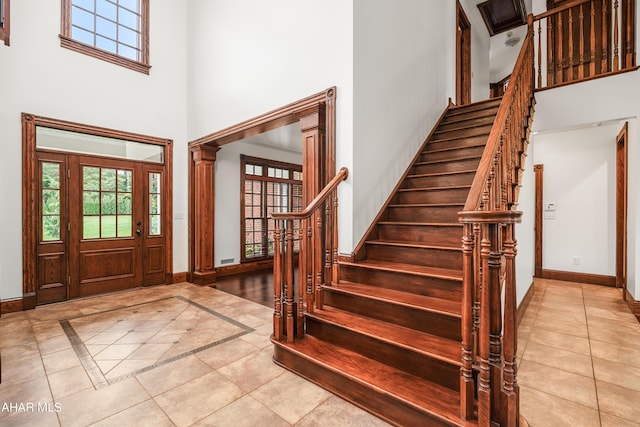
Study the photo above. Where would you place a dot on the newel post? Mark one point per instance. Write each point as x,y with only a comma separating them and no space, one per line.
204,158
497,388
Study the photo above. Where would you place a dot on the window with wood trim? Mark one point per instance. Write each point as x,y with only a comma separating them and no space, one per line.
267,186
116,31
4,21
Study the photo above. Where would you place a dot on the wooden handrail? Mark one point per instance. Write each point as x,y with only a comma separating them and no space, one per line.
559,9
313,206
480,180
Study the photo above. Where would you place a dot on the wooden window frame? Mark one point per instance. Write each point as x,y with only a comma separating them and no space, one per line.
68,42
5,21
265,164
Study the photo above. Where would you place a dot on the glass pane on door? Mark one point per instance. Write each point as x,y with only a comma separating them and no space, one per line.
106,203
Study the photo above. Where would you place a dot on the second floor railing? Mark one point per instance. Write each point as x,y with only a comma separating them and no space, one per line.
317,260
584,39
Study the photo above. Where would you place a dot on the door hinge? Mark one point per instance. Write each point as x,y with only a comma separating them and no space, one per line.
69,279
68,173
68,226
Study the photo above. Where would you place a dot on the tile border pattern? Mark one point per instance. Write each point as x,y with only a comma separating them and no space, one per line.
91,367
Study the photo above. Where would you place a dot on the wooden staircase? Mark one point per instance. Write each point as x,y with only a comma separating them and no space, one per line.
387,333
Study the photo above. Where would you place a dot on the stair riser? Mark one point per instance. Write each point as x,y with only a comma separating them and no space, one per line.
457,143
457,118
461,165
383,405
432,235
424,214
478,121
462,133
450,259
439,180
457,195
400,281
439,372
427,156
439,324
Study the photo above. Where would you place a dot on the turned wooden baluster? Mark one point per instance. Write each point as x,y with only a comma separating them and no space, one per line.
570,43
308,262
467,385
289,287
334,240
559,57
551,62
616,61
628,22
484,376
604,47
510,387
592,40
318,256
277,283
581,59
540,53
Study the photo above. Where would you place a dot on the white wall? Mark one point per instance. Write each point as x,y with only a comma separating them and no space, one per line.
42,78
404,74
227,226
244,64
592,102
580,179
525,231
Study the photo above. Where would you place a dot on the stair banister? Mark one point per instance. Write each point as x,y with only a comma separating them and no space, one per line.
489,335
288,317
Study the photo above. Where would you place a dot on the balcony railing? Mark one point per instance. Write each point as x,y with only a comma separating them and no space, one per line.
584,39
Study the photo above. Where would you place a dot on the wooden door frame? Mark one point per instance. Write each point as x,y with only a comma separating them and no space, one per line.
316,115
463,56
622,165
30,221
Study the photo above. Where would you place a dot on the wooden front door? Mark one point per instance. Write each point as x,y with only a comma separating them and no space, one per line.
101,225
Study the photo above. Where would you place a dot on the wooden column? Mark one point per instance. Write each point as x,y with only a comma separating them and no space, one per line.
312,126
204,158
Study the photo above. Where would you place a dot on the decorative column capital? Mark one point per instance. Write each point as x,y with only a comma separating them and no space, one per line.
204,153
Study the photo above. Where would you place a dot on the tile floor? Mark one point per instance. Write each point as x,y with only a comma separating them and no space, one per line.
579,348
186,355
169,355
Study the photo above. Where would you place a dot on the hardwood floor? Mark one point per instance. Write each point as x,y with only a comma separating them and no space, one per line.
254,286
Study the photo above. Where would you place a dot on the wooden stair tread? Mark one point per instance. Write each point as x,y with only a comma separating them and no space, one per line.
439,305
475,106
455,138
428,149
409,244
427,397
425,175
419,224
450,187
452,160
477,114
426,205
461,127
419,270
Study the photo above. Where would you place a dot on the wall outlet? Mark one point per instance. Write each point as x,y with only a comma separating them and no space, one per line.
575,260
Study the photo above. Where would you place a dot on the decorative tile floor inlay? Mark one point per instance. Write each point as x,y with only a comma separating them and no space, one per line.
117,344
